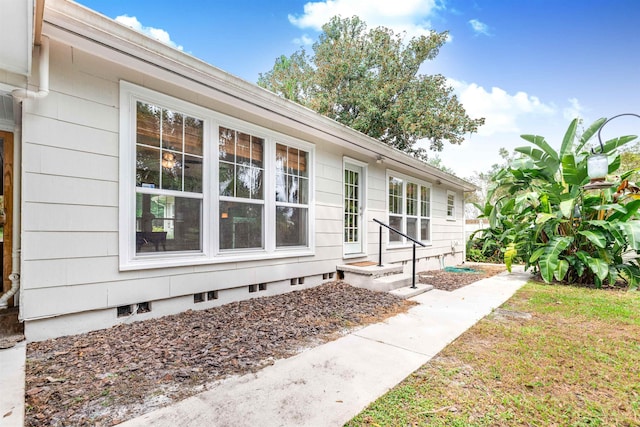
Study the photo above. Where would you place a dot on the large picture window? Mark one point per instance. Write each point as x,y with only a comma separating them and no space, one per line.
199,187
409,208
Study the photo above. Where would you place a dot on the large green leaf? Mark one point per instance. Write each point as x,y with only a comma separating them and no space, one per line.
599,267
542,143
571,172
566,207
509,255
595,237
548,261
631,273
534,153
587,134
614,143
631,229
569,136
561,271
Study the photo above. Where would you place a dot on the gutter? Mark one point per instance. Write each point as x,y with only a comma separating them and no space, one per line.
19,95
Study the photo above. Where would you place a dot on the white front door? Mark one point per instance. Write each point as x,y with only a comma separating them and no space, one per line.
353,209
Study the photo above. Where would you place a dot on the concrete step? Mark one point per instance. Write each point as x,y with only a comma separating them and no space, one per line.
392,281
362,276
407,292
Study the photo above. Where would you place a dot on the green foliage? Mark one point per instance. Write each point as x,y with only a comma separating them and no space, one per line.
369,81
538,206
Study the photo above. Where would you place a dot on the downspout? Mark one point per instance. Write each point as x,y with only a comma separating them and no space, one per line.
20,95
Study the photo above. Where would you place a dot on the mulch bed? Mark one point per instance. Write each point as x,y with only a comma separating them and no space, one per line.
105,377
446,281
108,376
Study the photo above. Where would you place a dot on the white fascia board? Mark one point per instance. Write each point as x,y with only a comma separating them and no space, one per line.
16,36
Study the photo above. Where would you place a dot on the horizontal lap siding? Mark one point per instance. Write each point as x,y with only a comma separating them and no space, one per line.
70,202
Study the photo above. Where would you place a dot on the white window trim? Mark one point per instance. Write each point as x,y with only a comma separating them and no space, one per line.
365,215
408,178
450,217
211,253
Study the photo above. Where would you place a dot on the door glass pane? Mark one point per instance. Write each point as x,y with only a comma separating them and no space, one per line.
351,206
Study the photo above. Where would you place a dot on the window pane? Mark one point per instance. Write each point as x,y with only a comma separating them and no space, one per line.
167,223
412,199
172,137
303,160
226,145
164,168
240,225
243,182
424,230
425,201
171,171
193,174
226,179
450,205
395,195
395,222
257,150
303,191
147,124
292,185
243,149
193,136
412,227
291,226
147,167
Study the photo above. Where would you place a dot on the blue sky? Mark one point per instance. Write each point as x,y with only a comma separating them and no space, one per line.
527,66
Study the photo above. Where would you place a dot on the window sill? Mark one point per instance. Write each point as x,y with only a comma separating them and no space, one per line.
155,262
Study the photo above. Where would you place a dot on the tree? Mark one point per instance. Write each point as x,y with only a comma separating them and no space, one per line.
369,81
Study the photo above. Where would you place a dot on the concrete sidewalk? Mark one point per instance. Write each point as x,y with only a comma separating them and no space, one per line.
12,364
329,384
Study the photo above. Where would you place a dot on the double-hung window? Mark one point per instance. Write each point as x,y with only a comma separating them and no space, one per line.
409,208
241,179
168,187
292,196
199,187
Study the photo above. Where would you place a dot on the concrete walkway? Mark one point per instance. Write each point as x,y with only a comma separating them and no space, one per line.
12,364
329,384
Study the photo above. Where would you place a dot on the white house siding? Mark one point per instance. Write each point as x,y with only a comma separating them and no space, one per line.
70,276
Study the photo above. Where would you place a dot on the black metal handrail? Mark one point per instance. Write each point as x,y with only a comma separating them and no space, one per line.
415,242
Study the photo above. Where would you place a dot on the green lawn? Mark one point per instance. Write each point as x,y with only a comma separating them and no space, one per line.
575,362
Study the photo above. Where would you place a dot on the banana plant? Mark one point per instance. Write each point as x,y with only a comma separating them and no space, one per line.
548,219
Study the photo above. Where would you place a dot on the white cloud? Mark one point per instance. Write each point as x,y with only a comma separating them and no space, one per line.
156,33
304,40
410,16
500,109
479,27
574,111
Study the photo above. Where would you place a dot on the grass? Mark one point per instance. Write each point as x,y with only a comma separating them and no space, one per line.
576,362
